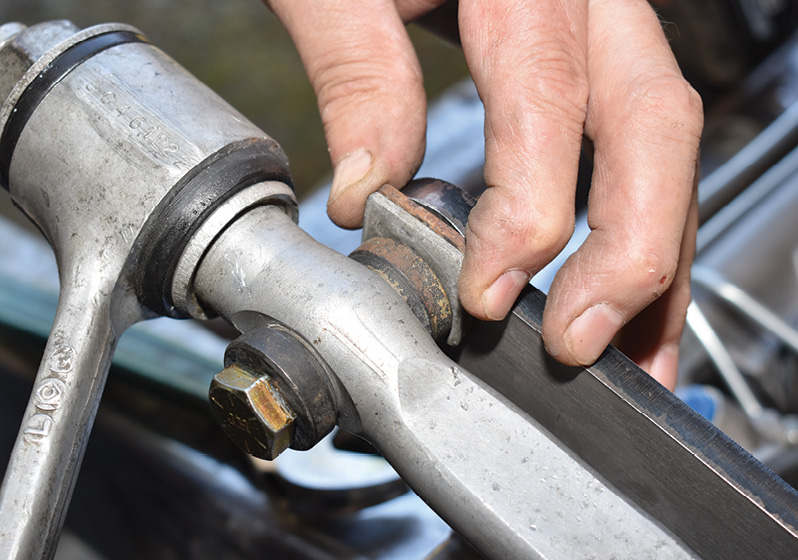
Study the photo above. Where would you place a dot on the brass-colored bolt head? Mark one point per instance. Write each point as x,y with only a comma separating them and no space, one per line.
252,412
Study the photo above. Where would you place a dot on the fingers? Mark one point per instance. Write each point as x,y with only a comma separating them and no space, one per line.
528,61
369,88
651,338
547,72
645,122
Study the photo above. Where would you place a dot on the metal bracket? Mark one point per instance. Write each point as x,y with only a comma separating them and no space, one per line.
391,214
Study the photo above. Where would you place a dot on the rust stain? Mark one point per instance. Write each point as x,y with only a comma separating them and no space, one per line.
423,215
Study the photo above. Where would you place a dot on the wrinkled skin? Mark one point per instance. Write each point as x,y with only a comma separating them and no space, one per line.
548,72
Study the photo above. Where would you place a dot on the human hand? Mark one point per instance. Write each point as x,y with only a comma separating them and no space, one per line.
548,72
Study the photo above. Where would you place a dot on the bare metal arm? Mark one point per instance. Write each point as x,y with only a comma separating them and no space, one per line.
485,466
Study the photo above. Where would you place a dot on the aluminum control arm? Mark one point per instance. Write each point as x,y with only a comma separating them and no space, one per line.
486,467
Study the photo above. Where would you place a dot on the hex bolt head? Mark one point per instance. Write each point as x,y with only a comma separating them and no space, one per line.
299,373
252,412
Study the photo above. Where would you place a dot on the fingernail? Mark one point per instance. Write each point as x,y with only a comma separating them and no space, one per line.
591,332
349,171
500,297
665,366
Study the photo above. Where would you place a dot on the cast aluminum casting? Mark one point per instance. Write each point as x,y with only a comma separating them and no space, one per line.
483,464
101,134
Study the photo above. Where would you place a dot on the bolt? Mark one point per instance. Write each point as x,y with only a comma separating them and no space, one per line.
21,47
252,412
294,367
8,30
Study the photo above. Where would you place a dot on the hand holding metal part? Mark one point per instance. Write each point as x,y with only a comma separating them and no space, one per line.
159,198
549,74
647,445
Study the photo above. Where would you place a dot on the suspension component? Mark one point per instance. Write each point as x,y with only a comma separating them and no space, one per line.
131,168
417,246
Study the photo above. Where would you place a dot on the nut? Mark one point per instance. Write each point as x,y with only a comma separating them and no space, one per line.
252,412
299,373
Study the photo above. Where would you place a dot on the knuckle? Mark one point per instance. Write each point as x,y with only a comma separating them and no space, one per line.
548,233
361,79
668,102
503,222
556,83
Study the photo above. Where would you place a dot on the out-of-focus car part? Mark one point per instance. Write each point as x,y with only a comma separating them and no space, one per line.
718,41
